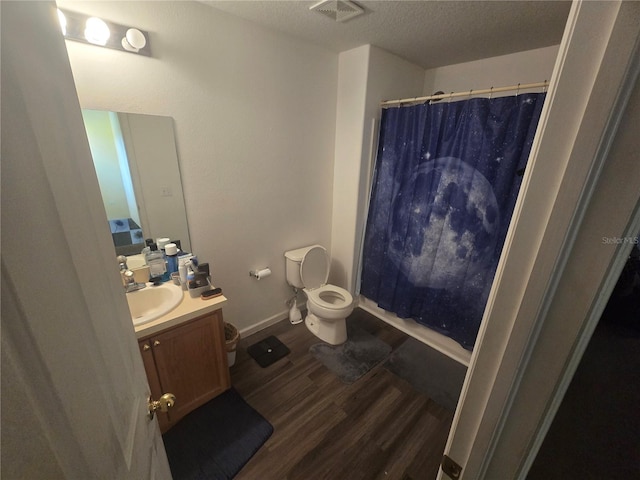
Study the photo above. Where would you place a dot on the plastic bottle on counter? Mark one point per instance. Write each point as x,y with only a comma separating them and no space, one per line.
162,243
157,265
184,261
171,252
147,247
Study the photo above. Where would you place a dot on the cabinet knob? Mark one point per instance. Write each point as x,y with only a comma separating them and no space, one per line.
146,347
156,343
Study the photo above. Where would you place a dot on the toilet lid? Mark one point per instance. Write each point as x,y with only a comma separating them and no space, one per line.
314,268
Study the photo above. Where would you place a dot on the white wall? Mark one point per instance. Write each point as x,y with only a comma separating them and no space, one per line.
523,67
254,113
352,86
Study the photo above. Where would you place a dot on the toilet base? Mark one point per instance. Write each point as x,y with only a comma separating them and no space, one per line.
333,332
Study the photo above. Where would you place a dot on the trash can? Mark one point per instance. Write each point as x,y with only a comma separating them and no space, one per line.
231,337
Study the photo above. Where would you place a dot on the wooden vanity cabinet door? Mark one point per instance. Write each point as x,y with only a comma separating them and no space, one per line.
154,381
191,362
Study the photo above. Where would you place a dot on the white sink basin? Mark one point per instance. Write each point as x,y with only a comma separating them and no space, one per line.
153,302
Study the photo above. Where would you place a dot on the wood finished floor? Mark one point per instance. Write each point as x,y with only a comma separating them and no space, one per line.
377,428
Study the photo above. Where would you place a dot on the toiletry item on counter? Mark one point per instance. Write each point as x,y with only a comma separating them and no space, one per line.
171,252
146,251
182,270
157,265
199,284
200,280
184,261
162,242
204,267
216,292
147,247
194,263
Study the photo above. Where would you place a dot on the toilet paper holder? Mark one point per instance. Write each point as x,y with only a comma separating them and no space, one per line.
261,273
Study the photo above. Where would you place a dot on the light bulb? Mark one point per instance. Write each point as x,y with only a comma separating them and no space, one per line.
136,38
96,31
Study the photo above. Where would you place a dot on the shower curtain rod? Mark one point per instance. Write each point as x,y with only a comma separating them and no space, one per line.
518,87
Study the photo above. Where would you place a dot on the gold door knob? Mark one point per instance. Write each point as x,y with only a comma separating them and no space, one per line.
165,402
156,343
146,347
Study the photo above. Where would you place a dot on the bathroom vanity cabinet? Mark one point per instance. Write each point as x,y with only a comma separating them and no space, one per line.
188,360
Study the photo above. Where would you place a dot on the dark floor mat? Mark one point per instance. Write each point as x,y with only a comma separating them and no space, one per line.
216,440
267,351
360,353
428,371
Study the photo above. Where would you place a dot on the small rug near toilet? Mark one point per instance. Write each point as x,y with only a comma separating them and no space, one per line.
267,351
351,360
216,440
428,371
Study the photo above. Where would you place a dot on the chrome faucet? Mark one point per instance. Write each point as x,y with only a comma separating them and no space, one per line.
130,284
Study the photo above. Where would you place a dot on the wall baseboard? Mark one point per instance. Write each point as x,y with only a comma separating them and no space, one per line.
267,322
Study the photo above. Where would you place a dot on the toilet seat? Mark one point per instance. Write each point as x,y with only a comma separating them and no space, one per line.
340,297
325,300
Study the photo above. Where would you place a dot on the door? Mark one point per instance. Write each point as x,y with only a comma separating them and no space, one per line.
581,187
74,392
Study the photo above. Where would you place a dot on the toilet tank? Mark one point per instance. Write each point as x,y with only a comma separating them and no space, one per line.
293,260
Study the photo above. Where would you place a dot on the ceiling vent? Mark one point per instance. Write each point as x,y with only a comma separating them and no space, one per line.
338,10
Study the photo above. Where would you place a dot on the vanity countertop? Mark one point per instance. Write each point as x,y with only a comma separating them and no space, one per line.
188,309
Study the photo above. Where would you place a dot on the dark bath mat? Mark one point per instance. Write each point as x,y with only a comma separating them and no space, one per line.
428,371
216,440
351,360
267,351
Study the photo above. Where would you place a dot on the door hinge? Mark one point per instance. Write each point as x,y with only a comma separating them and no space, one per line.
450,467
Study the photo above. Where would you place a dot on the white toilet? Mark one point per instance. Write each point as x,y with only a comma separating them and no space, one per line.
328,306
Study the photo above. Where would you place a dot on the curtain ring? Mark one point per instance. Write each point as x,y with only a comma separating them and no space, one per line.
546,84
491,93
439,93
518,90
450,97
470,92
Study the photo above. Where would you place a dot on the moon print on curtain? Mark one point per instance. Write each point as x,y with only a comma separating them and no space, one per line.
446,180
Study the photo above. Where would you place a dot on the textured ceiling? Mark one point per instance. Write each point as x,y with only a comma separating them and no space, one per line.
427,33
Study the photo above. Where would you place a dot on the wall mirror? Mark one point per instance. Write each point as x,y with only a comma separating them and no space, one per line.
137,167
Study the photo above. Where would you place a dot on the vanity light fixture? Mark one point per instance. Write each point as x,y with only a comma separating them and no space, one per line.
96,31
62,19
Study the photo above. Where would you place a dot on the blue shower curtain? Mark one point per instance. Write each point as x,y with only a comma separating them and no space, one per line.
445,184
